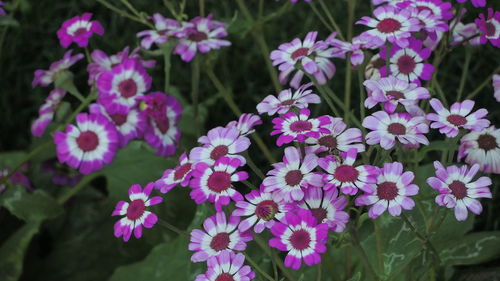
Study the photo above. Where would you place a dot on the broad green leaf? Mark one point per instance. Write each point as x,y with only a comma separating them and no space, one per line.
36,206
443,146
473,248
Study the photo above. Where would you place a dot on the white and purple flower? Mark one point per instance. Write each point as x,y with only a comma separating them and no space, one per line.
287,100
482,148
79,29
293,127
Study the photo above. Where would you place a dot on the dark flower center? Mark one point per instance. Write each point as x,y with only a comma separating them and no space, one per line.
293,177
87,141
299,53
300,126
396,129
266,210
487,142
346,173
127,88
456,120
406,64
490,29
163,124
328,141
388,25
458,189
379,63
224,277
300,239
288,102
118,119
219,181
181,171
218,152
80,31
422,8
319,214
387,190
197,36
220,241
135,209
395,95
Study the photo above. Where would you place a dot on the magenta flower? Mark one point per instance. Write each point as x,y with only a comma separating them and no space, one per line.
261,210
179,175
289,177
245,123
47,77
136,215
372,70
89,145
475,3
287,100
346,177
215,184
164,29
311,56
391,24
482,148
220,234
79,29
2,11
431,24
337,139
298,127
464,32
457,191
220,142
496,86
46,112
301,237
442,9
326,207
203,35
490,27
227,266
459,116
17,178
391,193
386,129
392,91
341,48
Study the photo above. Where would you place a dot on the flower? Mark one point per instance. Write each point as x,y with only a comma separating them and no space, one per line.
123,83
245,123
392,91
386,129
262,211
46,112
47,77
341,48
459,116
287,100
215,184
203,35
164,28
482,148
496,86
298,127
2,11
17,178
218,143
407,63
220,235
301,237
289,177
391,193
338,138
135,212
475,3
372,70
179,175
326,207
490,27
431,24
465,33
227,266
343,175
88,145
457,191
310,55
391,24
79,29
442,9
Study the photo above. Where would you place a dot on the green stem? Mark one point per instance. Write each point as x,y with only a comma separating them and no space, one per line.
195,90
263,245
388,59
253,166
362,253
468,56
329,102
167,57
124,13
486,82
318,277
420,236
75,189
256,266
332,20
171,227
378,238
202,7
362,96
347,87
320,16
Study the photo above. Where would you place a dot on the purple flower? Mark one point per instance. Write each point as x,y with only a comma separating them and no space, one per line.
179,175
287,100
298,127
79,29
442,9
245,123
341,48
326,207
482,148
490,27
227,266
46,112
496,86
16,178
47,77
337,138
431,24
164,29
475,3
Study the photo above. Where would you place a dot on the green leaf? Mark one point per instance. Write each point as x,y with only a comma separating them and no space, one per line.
433,146
474,248
355,277
36,206
11,158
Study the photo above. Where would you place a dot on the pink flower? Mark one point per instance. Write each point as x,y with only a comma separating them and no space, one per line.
47,77
346,177
289,177
179,175
245,123
386,129
164,29
79,29
496,86
311,56
341,48
288,100
391,193
475,3
464,32
431,24
227,266
459,116
301,237
442,9
337,138
298,127
220,235
135,212
457,191
46,112
490,27
482,148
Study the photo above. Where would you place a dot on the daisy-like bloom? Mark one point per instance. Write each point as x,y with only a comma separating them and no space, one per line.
202,35
475,3
261,210
135,212
392,91
164,29
289,177
391,193
215,183
124,83
298,127
47,77
431,24
457,191
313,57
442,9
408,63
459,116
287,100
179,175
463,32
245,123
346,177
341,48
46,112
227,266
220,234
386,129
338,138
302,237
482,148
490,27
496,86
372,70
326,207
79,29
128,121
390,24
220,142
88,145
